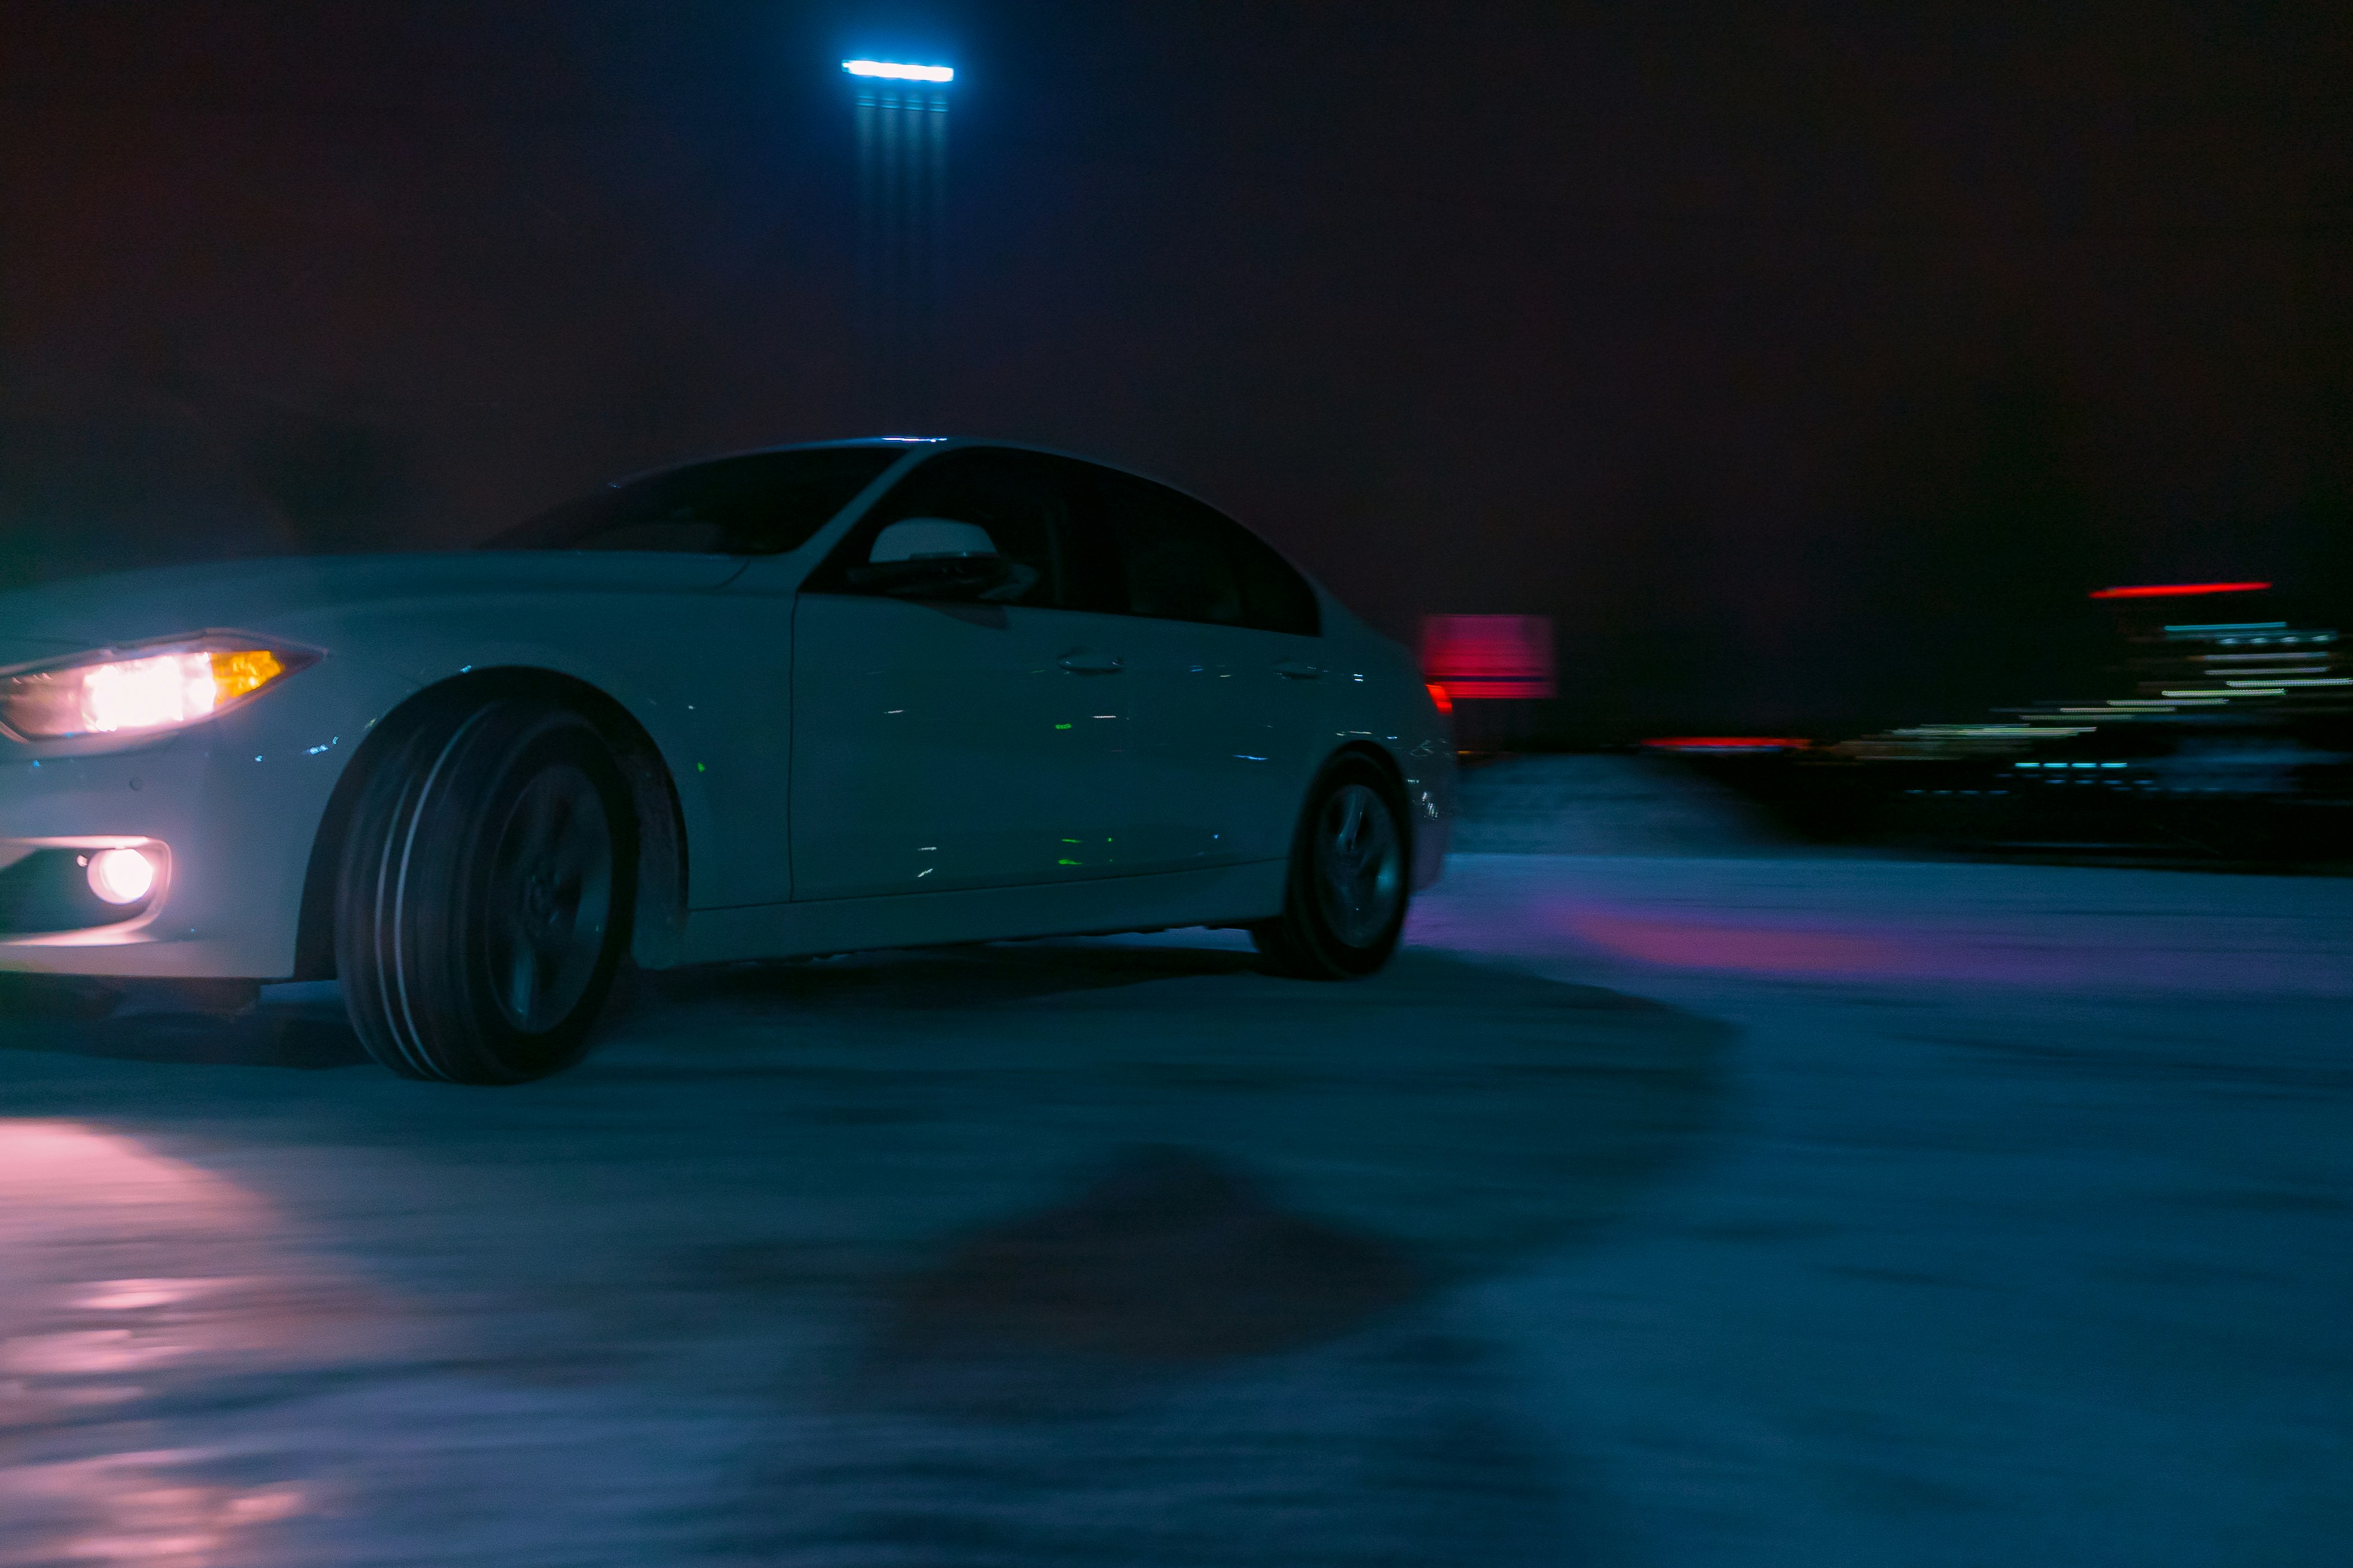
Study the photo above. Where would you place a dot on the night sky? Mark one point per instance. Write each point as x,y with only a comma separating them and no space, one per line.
1809,362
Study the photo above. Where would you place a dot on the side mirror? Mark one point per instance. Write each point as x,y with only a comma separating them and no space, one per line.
931,557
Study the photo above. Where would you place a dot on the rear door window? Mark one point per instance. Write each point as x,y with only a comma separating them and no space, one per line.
1183,560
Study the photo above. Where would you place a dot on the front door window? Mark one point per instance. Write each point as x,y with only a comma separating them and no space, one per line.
962,728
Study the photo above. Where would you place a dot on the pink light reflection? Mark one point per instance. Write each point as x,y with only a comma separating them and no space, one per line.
1760,950
128,1274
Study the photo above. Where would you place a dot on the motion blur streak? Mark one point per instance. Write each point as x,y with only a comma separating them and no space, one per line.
2178,590
1728,743
1488,656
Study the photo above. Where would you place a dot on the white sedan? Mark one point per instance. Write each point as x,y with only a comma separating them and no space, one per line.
811,699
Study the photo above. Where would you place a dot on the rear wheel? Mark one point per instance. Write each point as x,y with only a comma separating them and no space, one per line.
482,906
1344,901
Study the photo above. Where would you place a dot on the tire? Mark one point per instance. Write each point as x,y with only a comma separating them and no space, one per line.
1344,898
483,903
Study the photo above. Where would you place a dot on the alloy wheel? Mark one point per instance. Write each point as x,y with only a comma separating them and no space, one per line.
1359,865
551,896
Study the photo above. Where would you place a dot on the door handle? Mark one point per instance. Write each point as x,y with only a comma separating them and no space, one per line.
1083,661
1299,670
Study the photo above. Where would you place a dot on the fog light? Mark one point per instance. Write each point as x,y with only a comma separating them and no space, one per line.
121,876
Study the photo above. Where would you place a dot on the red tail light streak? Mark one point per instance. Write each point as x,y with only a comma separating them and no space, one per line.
1728,743
2178,590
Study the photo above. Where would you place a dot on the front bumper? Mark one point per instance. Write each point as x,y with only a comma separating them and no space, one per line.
235,807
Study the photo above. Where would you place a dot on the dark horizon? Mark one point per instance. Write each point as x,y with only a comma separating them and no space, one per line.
1810,367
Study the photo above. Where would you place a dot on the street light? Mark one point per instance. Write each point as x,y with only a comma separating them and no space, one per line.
902,148
890,70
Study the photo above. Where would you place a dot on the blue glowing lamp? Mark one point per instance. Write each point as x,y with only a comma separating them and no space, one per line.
890,70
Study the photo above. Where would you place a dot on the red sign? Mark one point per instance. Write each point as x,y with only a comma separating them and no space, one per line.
1488,656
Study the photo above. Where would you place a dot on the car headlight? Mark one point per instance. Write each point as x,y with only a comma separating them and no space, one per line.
129,691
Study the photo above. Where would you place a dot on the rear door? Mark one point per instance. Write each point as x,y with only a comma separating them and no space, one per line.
965,742
1226,656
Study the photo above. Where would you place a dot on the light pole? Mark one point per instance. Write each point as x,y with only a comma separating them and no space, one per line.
902,150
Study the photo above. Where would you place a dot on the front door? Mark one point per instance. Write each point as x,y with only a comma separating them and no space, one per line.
959,739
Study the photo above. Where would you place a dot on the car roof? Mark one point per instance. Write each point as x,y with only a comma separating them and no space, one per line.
909,443
914,443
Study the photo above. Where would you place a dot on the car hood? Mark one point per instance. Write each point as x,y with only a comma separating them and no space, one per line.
16,650
59,619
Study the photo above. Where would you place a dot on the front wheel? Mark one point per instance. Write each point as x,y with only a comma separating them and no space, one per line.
483,903
1344,899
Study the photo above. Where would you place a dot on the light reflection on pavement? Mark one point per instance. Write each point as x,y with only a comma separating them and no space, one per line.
2015,1199
824,1259
127,1276
1904,921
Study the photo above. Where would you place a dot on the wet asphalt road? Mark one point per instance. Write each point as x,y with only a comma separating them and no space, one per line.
1649,1211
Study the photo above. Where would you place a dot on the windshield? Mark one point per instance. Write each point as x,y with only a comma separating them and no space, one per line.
761,503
